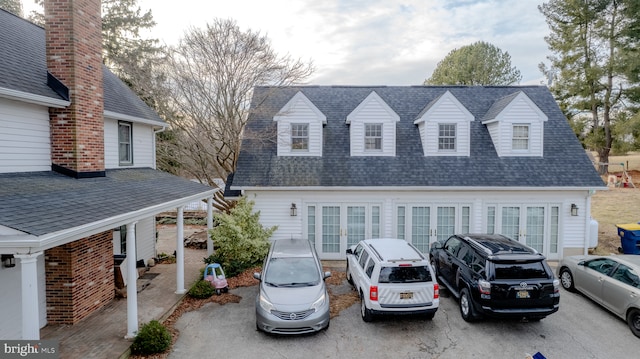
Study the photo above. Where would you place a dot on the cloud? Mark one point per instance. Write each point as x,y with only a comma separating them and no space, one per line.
372,42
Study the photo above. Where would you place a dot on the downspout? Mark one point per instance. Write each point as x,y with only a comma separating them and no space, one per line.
155,135
587,215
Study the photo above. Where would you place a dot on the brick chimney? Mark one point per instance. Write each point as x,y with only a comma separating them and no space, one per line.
74,56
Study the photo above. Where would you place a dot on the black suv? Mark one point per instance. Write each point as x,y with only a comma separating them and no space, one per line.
496,276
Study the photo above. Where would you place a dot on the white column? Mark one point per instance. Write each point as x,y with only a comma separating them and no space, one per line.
180,252
30,310
209,225
132,285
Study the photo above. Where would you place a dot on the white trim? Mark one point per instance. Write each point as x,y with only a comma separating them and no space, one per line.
416,188
32,98
119,116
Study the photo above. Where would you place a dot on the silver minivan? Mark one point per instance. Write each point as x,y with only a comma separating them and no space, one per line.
293,297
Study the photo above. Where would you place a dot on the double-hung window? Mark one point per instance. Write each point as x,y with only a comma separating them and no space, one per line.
300,136
447,137
125,143
520,139
373,136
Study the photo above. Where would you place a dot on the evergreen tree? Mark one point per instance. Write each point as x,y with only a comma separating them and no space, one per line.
477,64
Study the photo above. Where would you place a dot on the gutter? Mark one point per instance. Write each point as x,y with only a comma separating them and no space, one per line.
33,98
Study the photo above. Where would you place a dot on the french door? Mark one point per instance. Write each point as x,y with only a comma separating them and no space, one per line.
343,225
534,225
423,225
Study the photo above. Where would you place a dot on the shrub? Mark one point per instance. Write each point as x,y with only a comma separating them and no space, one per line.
202,289
241,241
152,338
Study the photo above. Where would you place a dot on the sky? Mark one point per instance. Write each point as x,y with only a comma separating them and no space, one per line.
370,42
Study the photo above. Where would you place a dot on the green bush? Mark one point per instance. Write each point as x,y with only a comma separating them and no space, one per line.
240,240
152,338
201,289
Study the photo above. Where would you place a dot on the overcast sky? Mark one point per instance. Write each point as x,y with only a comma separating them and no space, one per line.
371,42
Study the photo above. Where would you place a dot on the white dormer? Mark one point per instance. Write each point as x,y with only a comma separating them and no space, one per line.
372,129
445,127
300,128
516,126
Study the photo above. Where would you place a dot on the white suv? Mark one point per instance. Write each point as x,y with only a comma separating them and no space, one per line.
392,277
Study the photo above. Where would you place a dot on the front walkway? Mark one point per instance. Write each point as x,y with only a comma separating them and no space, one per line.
101,335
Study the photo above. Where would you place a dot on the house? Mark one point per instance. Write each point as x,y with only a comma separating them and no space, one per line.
78,184
337,164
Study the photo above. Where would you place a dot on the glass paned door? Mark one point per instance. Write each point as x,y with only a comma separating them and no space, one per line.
420,228
355,224
330,229
446,224
535,228
511,222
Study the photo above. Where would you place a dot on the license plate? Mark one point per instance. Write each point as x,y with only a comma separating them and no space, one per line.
522,294
406,295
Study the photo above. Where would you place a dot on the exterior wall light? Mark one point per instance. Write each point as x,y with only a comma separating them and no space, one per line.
8,261
293,210
574,209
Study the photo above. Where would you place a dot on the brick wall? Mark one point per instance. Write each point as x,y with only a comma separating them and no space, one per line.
74,56
79,278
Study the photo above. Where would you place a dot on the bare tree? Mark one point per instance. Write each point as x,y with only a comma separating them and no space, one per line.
213,72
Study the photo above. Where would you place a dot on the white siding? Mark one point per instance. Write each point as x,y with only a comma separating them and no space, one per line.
10,297
146,239
521,111
373,110
143,145
25,143
447,110
300,110
274,208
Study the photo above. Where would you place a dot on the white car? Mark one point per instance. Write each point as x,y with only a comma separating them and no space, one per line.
611,281
392,277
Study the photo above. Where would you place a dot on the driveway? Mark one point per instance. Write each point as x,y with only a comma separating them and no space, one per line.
580,329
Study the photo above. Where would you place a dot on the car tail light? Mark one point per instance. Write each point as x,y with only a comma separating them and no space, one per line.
404,265
556,286
484,287
436,291
373,292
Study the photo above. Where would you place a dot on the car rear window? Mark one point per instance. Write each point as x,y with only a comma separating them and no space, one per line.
404,274
520,270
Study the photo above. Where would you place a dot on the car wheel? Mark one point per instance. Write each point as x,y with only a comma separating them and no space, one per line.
367,316
566,279
633,319
349,278
467,310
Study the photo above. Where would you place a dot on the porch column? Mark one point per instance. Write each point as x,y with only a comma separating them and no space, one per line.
132,285
209,225
30,310
180,252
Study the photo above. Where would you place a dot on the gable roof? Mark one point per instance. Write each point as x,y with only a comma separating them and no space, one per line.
563,165
23,73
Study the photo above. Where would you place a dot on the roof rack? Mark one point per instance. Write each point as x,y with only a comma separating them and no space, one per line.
479,246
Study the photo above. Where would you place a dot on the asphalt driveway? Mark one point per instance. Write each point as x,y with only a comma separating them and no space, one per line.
580,329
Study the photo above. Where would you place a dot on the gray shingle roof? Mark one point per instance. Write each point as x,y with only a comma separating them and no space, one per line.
23,67
564,164
45,202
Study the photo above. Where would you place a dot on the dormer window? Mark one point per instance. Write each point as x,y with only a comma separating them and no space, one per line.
447,137
373,137
299,136
520,139
300,128
445,127
372,128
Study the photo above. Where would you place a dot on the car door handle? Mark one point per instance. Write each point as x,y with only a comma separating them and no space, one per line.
632,294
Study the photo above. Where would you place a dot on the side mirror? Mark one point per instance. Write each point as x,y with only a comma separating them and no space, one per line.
581,263
326,275
257,276
349,251
437,245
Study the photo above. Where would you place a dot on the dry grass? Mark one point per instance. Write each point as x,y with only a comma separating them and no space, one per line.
617,205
